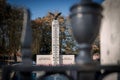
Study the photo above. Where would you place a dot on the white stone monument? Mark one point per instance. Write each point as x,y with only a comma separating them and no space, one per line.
55,43
55,58
110,36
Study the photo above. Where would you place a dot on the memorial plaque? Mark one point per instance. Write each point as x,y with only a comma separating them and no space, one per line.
67,59
43,60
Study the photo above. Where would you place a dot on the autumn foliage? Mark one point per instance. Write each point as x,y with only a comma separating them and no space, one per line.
11,26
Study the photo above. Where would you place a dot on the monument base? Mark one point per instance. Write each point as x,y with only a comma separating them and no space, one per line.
48,59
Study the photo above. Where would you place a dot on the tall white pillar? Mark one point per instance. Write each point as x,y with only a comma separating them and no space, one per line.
110,35
55,42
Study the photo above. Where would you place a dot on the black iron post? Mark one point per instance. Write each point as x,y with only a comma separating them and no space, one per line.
85,20
26,41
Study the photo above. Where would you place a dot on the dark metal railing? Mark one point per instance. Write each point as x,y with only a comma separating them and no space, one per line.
85,19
